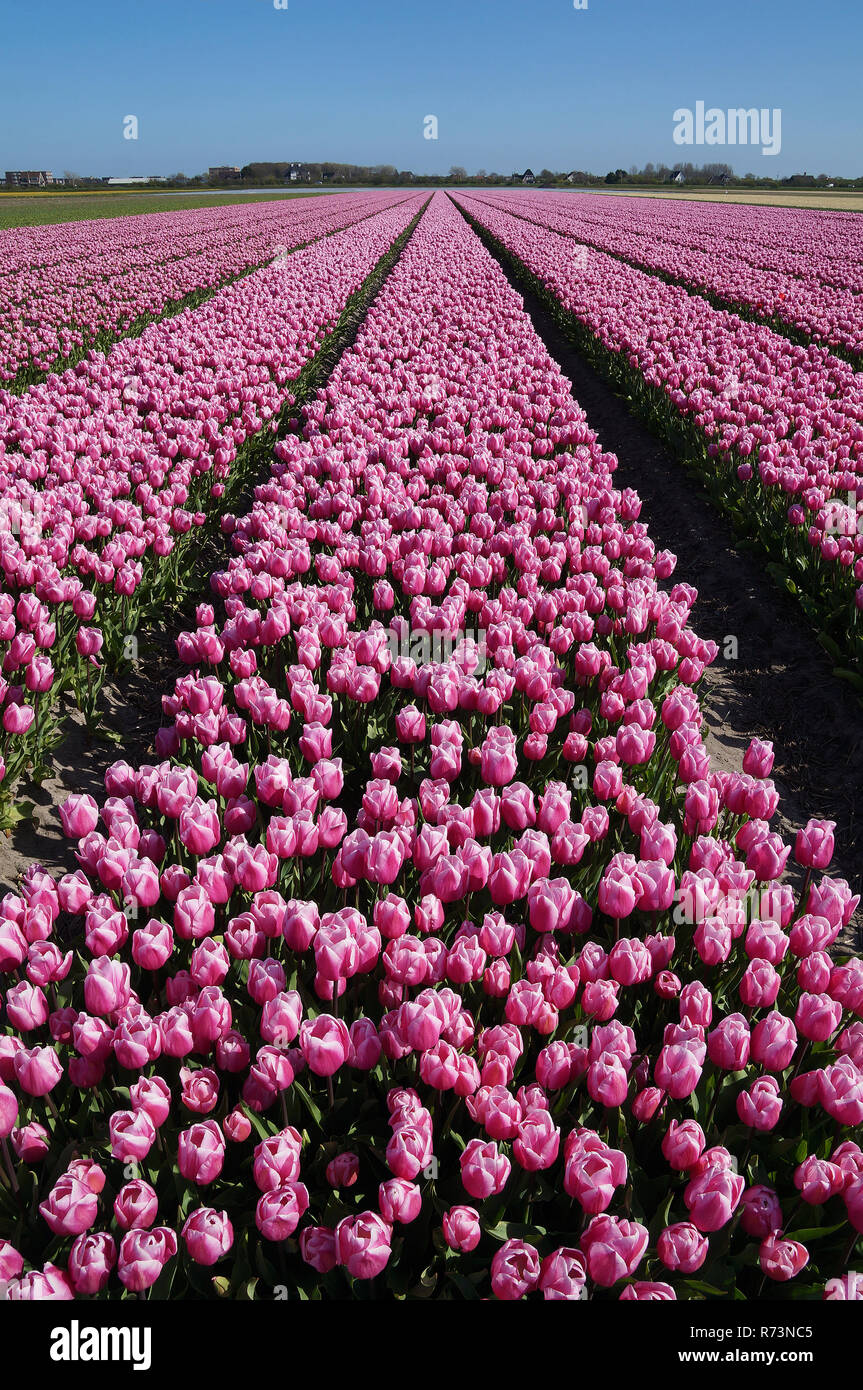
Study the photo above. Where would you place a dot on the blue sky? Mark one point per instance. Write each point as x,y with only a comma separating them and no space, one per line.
512,82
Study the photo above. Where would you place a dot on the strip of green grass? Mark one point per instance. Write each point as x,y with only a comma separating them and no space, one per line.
43,209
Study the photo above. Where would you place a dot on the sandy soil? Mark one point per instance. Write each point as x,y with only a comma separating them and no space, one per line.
133,713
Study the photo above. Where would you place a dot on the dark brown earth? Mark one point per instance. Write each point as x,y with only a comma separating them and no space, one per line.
131,710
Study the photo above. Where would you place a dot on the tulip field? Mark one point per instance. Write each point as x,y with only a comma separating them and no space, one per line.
69,288
776,427
429,955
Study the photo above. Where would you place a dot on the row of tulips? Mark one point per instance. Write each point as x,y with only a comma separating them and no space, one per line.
798,271
470,977
775,429
65,290
110,470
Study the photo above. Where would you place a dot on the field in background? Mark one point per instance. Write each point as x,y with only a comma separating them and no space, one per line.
839,201
39,209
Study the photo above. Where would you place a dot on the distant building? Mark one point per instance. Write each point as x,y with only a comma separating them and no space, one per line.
528,176
220,172
28,178
294,172
679,177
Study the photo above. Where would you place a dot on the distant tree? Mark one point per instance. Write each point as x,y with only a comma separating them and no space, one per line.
458,173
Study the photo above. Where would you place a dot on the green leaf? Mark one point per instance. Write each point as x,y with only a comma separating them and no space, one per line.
465,1287
832,648
512,1230
815,1232
462,1144
256,1123
107,735
778,572
852,677
698,1286
266,1270
12,815
310,1105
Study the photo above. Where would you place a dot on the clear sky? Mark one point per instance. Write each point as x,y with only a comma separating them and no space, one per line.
512,82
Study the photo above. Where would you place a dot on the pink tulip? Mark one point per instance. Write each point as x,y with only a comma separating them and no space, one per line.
782,1259
515,1270
363,1244
682,1247
461,1228
614,1248
143,1256
208,1234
